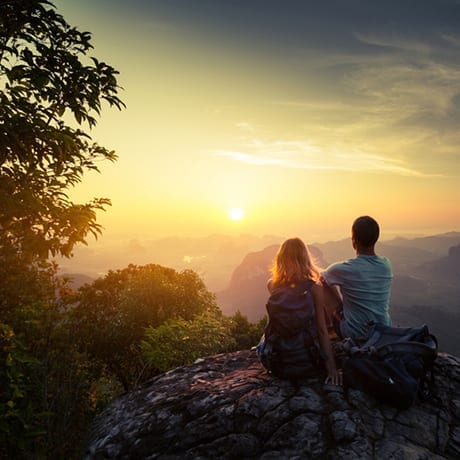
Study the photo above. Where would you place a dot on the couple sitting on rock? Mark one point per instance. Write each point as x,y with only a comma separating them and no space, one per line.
346,296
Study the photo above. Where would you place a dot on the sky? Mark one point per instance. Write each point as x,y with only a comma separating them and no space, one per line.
279,117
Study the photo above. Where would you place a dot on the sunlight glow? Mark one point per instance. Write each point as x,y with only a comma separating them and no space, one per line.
236,214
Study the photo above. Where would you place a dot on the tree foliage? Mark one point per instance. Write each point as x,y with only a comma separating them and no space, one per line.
19,421
51,93
244,333
179,342
46,383
113,312
49,87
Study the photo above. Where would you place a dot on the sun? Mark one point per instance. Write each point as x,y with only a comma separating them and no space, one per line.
236,214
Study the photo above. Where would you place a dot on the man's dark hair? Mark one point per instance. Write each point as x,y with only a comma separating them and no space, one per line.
365,231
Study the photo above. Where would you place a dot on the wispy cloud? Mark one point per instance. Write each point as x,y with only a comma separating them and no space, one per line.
396,40
453,39
396,109
303,155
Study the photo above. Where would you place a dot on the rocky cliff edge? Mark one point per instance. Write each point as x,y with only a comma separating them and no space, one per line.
228,407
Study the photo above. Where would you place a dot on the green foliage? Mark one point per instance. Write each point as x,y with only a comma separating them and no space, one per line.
113,312
19,422
50,89
67,385
46,383
48,85
244,333
179,342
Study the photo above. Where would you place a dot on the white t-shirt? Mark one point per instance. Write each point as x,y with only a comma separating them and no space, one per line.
365,283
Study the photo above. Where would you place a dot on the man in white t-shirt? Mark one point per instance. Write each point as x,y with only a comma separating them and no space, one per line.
359,289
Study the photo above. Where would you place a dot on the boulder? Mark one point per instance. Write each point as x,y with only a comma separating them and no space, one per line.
228,407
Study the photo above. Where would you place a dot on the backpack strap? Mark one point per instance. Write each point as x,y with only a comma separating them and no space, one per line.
266,351
427,351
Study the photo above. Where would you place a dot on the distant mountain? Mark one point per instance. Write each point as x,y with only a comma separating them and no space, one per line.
437,244
434,282
444,271
247,291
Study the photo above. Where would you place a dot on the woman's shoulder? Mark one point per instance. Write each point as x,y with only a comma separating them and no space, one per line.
270,285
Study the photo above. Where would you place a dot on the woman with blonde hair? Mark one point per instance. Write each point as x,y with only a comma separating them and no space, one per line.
296,331
293,263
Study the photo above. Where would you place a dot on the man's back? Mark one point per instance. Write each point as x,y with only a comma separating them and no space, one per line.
365,284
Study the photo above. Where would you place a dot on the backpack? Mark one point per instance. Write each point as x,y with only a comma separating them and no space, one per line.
395,364
288,347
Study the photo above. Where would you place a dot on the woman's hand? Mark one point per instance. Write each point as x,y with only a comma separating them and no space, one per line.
334,377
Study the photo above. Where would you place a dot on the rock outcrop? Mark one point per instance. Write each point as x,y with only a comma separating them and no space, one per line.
227,406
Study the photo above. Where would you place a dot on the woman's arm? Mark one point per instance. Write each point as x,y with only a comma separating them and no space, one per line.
332,297
333,376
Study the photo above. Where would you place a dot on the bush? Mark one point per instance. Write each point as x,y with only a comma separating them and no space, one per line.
180,342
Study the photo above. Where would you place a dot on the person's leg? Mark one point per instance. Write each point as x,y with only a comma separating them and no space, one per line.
333,308
337,318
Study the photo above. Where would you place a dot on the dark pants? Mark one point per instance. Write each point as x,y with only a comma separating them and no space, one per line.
337,318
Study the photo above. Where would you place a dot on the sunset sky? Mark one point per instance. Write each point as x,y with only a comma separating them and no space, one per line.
302,114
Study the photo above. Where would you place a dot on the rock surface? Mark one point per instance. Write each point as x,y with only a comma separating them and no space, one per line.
227,406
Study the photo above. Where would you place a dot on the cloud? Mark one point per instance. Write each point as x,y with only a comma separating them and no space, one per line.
385,100
304,155
452,39
395,109
395,40
249,158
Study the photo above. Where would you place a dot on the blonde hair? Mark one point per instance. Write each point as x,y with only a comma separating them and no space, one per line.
292,264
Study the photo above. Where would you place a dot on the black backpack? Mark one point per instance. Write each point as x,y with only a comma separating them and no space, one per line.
289,347
395,365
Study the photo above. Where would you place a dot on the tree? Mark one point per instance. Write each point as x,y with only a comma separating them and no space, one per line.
51,93
49,87
180,342
112,313
46,396
244,333
17,408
